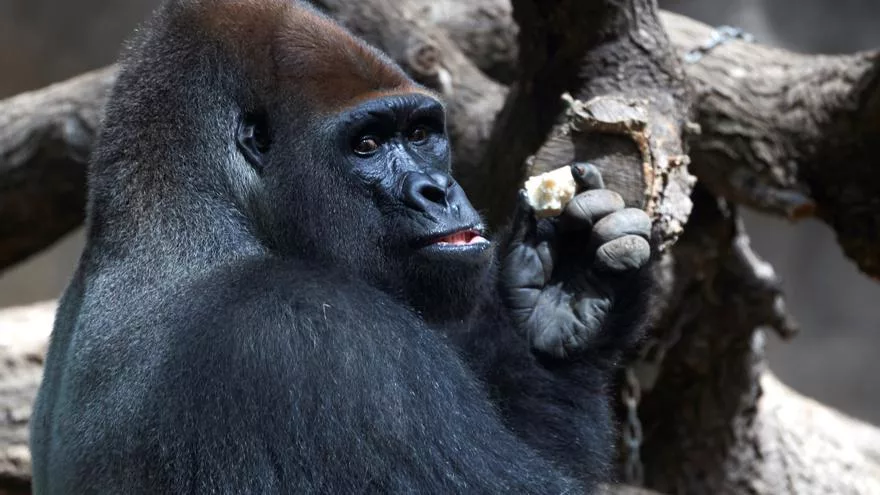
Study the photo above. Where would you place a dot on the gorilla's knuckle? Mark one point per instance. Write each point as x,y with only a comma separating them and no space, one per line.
624,253
625,222
591,206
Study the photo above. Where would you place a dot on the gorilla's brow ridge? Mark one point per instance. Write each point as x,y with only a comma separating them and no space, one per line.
294,46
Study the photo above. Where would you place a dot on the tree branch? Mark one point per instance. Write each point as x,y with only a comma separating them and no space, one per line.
554,38
23,344
791,134
45,139
483,30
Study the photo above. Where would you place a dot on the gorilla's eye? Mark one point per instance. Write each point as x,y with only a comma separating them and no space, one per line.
261,135
366,146
418,135
254,138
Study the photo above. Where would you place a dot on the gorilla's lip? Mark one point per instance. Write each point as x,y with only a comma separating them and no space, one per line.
457,238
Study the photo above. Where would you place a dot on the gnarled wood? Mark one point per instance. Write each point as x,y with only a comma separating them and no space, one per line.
791,134
24,339
714,422
45,139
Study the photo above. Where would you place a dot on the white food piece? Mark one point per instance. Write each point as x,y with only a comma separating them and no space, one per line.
549,192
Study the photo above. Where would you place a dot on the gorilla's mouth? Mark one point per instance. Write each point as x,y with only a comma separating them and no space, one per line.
460,238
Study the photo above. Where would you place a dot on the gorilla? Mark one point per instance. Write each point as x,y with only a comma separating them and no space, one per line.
285,291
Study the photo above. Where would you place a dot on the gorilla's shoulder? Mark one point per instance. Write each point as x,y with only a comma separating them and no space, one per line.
286,280
269,306
269,291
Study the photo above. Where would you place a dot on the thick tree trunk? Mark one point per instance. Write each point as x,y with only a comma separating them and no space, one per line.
716,421
631,127
789,134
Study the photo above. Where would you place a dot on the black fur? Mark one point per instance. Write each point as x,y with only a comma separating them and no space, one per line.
261,308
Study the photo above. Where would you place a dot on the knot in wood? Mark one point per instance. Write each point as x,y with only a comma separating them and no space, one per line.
424,59
607,114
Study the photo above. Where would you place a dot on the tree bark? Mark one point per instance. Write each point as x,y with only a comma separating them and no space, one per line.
631,125
45,140
23,344
716,421
792,135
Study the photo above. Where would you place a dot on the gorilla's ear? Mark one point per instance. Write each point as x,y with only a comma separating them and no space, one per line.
253,139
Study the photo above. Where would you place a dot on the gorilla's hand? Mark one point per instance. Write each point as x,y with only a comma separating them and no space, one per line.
561,277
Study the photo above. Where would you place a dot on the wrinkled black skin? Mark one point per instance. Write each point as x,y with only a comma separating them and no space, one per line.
255,315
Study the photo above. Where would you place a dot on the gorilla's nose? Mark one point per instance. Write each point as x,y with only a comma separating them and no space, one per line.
427,192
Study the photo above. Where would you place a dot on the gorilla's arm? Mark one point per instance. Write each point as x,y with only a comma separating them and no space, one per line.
572,294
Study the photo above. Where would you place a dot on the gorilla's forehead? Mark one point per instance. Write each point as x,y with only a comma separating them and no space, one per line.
294,48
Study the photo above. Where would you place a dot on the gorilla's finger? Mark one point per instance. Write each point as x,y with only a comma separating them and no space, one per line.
545,254
524,227
522,302
623,254
587,176
524,268
629,221
555,329
587,208
591,311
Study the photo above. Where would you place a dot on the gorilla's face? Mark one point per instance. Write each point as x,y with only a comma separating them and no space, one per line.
368,190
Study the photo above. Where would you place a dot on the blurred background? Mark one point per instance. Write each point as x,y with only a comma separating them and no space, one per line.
833,360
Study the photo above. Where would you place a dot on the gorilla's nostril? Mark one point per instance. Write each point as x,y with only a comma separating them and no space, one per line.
433,193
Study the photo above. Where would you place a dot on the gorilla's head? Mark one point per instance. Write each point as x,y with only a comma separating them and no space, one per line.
329,151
